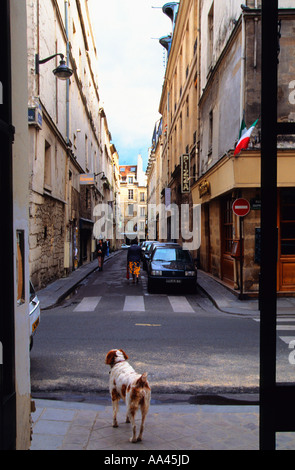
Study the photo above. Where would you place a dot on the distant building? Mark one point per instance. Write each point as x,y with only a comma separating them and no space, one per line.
133,201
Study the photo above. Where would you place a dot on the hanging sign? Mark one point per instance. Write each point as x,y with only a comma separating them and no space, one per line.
185,173
87,178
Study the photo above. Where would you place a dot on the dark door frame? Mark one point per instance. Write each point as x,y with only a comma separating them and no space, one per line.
277,411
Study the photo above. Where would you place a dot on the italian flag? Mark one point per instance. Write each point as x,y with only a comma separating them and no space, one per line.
244,137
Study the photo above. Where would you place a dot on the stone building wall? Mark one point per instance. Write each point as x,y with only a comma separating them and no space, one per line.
46,240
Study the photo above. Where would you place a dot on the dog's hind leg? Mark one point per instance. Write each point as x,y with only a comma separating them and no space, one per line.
144,411
131,415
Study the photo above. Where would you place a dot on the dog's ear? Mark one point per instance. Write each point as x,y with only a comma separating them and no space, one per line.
124,354
110,357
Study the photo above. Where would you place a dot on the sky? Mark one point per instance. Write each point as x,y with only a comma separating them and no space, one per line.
131,67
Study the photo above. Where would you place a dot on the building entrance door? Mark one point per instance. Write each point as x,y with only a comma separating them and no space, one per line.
227,262
286,240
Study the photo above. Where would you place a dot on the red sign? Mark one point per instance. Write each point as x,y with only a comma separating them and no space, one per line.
241,207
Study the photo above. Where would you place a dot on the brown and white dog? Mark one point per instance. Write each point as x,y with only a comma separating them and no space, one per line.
133,388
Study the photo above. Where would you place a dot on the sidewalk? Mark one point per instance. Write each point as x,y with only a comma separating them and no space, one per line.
61,425
227,302
61,288
173,423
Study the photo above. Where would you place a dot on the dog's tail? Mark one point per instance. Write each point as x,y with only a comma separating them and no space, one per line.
142,381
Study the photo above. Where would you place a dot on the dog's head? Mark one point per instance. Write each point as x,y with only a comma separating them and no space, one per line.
114,356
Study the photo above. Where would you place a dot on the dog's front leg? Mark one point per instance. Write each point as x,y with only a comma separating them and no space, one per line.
115,403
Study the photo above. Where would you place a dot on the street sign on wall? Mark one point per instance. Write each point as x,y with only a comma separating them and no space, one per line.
241,207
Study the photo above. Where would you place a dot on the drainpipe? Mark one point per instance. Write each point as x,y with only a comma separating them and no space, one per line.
67,81
68,238
242,96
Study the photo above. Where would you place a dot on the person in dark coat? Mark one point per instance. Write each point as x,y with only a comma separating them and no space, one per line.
101,251
133,260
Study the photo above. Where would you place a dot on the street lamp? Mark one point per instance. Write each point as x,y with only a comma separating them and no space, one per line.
63,72
103,178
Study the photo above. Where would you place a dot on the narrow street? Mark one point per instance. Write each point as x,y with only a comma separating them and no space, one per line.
184,343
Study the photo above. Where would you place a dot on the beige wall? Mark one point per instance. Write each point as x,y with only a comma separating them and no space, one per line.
20,209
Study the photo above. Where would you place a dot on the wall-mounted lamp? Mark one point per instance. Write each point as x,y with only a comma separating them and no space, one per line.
63,72
103,178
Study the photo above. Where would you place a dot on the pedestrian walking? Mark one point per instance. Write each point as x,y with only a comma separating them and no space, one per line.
133,260
101,251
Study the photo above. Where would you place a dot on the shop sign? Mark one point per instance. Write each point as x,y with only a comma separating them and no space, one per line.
87,178
255,204
204,188
185,173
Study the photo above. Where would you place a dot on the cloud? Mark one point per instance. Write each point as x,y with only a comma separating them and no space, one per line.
131,68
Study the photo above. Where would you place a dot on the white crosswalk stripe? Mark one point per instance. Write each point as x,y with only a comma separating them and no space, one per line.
284,324
134,303
180,304
139,303
88,304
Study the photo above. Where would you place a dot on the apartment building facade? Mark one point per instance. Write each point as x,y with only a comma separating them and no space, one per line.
69,139
177,141
230,85
133,202
223,76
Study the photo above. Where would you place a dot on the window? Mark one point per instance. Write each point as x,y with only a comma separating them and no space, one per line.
227,225
142,197
171,254
142,212
130,193
47,166
210,142
20,266
86,153
210,36
287,221
130,209
130,179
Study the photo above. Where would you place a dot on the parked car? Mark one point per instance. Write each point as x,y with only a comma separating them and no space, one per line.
35,313
124,246
149,251
171,266
145,252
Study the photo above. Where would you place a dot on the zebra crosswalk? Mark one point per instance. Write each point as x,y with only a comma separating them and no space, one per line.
88,304
284,325
138,303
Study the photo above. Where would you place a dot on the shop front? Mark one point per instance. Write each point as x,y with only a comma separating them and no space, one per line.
230,244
